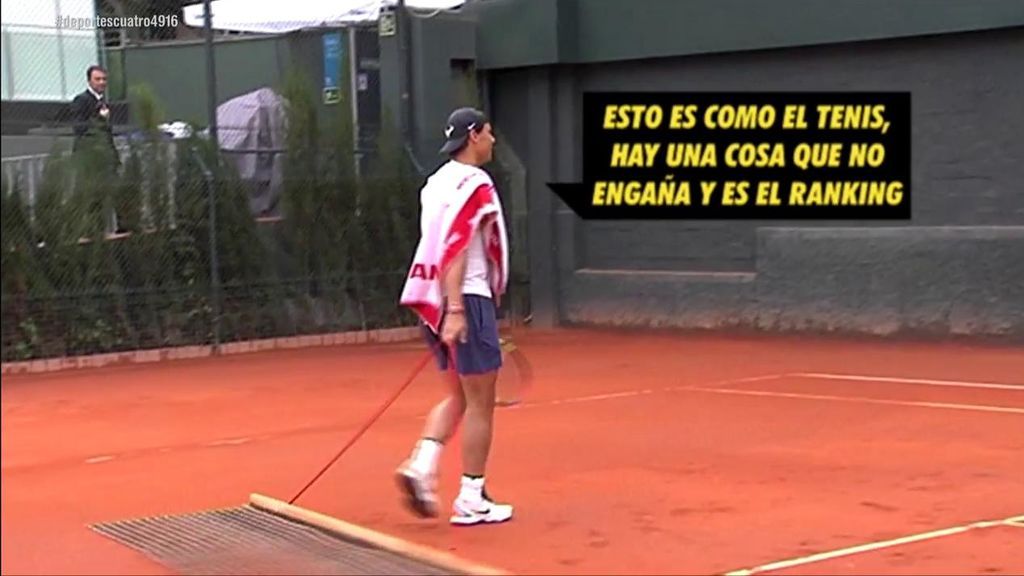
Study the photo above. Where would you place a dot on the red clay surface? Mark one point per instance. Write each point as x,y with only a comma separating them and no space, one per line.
627,478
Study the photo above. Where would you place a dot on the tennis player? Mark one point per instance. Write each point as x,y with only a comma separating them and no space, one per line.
458,276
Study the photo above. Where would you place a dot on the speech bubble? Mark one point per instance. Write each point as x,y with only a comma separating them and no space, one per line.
743,155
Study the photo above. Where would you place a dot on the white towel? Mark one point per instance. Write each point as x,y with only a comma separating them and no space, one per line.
455,201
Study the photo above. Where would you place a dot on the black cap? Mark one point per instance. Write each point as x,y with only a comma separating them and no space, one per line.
460,122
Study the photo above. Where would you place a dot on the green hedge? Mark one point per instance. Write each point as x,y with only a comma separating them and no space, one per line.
336,261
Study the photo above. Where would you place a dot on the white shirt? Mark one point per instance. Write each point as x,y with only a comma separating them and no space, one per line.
477,264
477,268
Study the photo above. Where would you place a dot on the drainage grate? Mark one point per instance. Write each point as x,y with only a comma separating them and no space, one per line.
247,540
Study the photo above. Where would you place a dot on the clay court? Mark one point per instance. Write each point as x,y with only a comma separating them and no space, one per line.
634,453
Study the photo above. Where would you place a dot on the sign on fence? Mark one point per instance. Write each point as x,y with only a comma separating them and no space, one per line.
332,67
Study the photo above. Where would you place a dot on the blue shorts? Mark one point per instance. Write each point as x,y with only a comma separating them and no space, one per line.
481,352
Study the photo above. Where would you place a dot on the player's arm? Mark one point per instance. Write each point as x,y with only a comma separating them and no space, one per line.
454,327
453,280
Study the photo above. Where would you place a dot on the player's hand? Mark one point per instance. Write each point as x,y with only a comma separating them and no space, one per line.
454,329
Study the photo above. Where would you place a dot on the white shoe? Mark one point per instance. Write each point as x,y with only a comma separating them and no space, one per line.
466,512
419,489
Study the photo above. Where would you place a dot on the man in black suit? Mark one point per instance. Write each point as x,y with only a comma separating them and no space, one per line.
94,142
90,113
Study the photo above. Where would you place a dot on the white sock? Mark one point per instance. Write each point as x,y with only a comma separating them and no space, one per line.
472,489
425,456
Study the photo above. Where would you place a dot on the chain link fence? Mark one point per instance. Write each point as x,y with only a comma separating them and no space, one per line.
158,241
136,231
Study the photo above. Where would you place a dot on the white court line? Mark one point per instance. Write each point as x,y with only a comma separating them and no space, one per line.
99,459
866,547
601,397
229,442
709,388
747,379
943,405
577,399
925,381
633,393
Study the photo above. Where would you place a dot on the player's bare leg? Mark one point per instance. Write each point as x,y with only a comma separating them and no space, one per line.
445,417
473,506
479,391
418,475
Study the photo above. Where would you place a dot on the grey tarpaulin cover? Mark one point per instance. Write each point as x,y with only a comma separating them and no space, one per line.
256,122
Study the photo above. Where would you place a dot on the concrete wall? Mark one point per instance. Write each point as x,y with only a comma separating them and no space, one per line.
919,281
594,31
915,276
13,146
965,136
428,72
